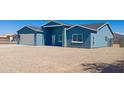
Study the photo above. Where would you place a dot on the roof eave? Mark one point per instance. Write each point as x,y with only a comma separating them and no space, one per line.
62,24
21,28
82,27
107,23
102,25
29,28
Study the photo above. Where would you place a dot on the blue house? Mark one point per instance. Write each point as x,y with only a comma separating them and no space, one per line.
55,33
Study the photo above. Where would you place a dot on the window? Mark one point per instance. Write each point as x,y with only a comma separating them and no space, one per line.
106,38
59,38
77,38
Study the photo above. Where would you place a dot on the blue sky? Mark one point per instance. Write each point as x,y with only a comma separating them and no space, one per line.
11,26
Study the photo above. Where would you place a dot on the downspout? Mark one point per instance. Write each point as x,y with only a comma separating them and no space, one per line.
35,40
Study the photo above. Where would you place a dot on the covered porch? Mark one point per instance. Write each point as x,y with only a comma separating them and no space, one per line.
55,35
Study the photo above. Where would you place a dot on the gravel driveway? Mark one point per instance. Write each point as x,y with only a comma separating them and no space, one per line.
14,58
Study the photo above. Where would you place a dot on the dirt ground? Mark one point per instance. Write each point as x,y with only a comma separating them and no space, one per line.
16,58
7,42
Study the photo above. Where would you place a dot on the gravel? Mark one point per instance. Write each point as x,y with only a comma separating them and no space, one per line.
14,58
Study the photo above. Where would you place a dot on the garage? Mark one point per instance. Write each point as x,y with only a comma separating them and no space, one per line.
27,39
30,35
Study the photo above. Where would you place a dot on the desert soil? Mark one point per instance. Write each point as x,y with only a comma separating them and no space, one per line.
6,42
54,59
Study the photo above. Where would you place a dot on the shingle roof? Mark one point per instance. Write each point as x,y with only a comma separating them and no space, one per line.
37,29
94,26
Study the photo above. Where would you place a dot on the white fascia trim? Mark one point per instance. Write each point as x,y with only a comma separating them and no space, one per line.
102,26
21,28
107,23
55,22
24,27
60,23
46,23
29,28
82,27
76,41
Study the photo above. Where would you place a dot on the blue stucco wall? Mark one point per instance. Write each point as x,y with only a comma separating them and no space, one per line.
99,37
53,31
79,30
45,38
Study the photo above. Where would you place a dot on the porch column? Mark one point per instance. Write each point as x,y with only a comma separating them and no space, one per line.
64,38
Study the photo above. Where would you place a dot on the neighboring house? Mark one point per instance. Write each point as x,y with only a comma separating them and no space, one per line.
55,33
10,37
119,39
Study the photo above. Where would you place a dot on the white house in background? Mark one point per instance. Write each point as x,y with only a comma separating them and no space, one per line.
10,37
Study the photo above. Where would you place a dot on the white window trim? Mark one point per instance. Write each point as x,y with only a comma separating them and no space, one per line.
59,38
76,41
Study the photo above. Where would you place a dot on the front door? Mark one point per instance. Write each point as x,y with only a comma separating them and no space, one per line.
53,39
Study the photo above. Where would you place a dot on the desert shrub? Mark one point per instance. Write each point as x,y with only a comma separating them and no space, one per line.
122,42
116,67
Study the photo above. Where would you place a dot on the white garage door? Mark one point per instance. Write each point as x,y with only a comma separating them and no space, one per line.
27,39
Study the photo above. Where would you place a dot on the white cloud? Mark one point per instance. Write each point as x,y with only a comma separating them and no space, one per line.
120,33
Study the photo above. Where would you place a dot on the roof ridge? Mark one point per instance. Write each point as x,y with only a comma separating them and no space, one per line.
56,21
32,26
39,29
